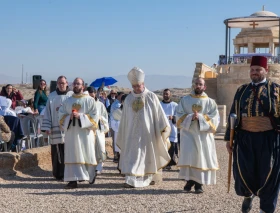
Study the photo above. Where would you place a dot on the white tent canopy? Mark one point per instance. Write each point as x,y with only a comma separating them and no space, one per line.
260,19
253,22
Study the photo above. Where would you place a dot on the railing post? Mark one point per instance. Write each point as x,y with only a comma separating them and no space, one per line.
226,40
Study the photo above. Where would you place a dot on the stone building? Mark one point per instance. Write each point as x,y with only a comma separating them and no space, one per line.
223,80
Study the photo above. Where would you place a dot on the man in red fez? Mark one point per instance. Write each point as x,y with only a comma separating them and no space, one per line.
256,149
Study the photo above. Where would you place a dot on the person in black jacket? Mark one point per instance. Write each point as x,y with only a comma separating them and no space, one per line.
256,150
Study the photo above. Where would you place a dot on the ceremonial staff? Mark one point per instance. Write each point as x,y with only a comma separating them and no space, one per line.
232,124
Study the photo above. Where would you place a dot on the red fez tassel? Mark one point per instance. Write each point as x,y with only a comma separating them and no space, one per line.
259,61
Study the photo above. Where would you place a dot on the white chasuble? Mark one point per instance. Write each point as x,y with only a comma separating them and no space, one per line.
80,157
143,138
198,158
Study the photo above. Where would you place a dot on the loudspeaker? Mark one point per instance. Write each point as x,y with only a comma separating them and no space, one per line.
52,86
36,81
222,59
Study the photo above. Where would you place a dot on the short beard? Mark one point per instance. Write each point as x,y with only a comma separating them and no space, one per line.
77,91
258,80
198,92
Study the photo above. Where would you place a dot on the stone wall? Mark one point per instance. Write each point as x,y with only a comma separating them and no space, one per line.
211,88
200,70
238,74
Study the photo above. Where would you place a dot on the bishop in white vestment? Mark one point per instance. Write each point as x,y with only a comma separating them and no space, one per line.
198,118
143,135
78,117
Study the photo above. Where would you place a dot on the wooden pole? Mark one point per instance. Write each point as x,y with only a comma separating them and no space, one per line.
232,125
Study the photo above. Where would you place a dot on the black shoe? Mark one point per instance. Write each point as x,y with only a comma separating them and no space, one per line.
119,170
198,188
59,178
71,185
247,204
116,158
127,186
167,167
188,186
93,180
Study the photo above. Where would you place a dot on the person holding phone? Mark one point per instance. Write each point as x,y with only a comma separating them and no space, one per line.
12,93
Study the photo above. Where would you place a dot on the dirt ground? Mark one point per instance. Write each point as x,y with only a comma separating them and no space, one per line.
35,190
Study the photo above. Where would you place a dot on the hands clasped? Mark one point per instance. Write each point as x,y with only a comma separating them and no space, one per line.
195,116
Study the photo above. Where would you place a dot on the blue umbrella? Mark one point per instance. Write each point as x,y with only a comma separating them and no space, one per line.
106,81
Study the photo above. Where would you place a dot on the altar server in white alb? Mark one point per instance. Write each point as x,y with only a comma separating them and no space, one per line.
169,107
143,135
103,128
78,117
50,124
198,118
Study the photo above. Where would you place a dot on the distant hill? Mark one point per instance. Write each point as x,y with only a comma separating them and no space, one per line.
152,82
5,79
157,82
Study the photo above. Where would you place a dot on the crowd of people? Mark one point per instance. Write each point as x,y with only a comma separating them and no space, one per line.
145,133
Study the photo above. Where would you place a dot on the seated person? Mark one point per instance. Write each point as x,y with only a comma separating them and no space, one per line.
23,108
15,126
12,93
5,107
5,132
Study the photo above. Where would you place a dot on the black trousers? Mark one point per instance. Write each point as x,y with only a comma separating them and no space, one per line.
58,167
256,166
172,152
113,139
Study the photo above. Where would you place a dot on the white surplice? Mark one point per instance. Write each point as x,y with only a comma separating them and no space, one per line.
198,158
80,157
143,139
100,134
50,118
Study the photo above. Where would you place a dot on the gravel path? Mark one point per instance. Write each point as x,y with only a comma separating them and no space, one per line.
36,191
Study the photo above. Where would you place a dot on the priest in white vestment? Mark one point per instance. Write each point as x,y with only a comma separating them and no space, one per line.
78,118
198,118
51,126
143,135
103,128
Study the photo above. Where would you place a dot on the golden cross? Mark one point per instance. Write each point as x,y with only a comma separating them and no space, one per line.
254,25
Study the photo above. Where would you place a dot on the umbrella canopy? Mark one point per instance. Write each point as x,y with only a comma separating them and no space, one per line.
105,81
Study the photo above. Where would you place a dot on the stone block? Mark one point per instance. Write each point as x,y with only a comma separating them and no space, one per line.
11,162
223,122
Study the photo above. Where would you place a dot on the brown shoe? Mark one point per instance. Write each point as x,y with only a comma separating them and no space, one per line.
152,183
71,185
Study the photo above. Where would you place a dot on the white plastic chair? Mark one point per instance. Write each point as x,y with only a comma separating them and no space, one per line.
29,127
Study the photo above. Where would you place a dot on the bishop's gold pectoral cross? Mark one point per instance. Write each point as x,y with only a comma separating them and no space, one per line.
254,25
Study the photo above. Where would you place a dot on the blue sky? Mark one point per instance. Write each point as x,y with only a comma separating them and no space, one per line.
91,38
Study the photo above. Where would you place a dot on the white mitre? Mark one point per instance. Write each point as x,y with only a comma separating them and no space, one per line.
136,76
